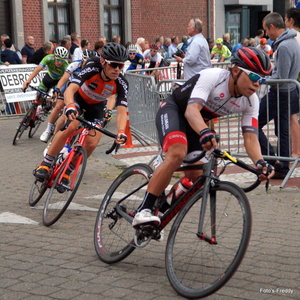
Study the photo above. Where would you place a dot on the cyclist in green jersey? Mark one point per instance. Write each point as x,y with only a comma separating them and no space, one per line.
56,63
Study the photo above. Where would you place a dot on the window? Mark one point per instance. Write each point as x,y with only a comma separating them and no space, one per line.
113,19
59,19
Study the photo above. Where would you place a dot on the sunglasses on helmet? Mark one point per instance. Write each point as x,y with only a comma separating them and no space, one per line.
114,64
254,76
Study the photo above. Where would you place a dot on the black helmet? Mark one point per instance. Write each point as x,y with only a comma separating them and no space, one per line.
252,59
114,51
89,53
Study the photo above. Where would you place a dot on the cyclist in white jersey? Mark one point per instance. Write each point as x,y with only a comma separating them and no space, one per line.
181,119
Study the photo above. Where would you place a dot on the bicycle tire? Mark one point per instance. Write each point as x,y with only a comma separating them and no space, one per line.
195,268
57,202
114,235
23,124
33,130
37,191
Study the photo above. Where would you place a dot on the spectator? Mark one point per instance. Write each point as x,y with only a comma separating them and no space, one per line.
260,34
251,42
116,39
265,47
211,44
8,55
220,49
183,45
66,43
147,46
197,55
166,44
28,50
140,45
13,47
286,66
75,42
226,39
173,47
77,56
102,39
244,43
41,53
154,58
98,47
292,20
160,41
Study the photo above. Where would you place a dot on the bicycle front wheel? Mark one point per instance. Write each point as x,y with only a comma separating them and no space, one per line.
114,234
61,195
24,124
196,268
37,191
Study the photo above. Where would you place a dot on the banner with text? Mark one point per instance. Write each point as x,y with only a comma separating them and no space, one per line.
12,78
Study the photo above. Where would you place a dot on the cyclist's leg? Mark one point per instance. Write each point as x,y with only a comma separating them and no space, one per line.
171,131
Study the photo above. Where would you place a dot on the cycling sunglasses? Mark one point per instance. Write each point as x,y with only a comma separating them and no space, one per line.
132,53
254,76
114,64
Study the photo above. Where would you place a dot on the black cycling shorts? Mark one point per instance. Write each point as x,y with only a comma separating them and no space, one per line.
173,128
92,112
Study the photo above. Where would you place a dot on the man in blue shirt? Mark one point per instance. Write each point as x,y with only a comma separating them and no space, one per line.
27,51
8,55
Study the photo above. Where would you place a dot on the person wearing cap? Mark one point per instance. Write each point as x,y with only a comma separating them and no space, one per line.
136,59
263,45
220,49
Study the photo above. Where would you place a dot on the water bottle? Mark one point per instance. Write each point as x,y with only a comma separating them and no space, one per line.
38,110
63,154
178,189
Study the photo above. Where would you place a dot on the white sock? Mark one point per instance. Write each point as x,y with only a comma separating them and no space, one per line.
49,127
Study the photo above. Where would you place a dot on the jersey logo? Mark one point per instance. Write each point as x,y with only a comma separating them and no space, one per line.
109,87
222,95
93,86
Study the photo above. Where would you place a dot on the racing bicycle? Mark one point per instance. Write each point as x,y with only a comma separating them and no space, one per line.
61,193
36,114
208,238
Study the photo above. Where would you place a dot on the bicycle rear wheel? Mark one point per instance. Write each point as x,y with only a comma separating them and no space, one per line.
24,124
59,196
37,191
196,268
113,234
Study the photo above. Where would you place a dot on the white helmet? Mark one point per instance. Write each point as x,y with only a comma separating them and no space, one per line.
61,52
132,48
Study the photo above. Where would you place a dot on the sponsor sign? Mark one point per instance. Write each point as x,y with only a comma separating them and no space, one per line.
12,78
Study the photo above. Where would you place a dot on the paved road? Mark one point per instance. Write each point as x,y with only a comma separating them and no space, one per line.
60,262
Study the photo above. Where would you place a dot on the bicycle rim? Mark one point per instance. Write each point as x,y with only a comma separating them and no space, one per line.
113,234
19,133
23,124
196,268
58,198
37,191
33,130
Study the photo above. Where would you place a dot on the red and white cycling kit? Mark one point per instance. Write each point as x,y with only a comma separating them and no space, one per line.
210,89
94,91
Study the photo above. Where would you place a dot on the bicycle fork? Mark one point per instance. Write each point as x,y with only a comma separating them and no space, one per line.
212,193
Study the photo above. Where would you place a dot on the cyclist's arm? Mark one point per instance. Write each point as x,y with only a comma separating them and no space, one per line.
63,80
36,71
193,116
111,102
69,93
121,123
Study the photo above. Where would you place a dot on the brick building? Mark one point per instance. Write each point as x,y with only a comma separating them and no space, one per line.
53,19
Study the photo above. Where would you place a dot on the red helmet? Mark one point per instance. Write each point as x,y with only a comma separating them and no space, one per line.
252,59
154,46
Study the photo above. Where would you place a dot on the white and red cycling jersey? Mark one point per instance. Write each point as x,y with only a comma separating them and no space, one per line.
210,89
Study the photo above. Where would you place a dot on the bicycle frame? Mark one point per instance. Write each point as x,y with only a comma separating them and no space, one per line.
65,164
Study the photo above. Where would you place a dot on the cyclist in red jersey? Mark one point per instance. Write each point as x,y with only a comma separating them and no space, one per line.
181,126
89,91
